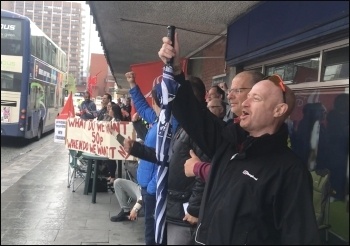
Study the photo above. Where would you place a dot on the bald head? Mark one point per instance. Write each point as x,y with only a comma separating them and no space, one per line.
277,96
264,111
289,96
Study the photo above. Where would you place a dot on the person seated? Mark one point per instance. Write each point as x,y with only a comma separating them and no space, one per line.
125,189
113,114
126,114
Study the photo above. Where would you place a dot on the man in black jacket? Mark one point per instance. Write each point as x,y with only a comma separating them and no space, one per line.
102,113
240,86
258,191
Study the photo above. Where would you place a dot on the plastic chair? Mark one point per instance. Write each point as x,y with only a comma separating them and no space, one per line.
321,199
74,169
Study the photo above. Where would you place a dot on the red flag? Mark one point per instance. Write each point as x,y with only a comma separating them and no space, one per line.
68,109
92,81
89,87
149,74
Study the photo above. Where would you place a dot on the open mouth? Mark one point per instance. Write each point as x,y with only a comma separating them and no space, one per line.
244,113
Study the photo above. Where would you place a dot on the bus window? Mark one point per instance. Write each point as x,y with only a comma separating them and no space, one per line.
59,64
10,47
10,81
11,38
45,49
53,56
50,96
38,48
33,96
36,95
15,48
49,53
6,81
33,45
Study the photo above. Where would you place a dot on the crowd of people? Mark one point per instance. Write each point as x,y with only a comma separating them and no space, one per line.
233,179
110,111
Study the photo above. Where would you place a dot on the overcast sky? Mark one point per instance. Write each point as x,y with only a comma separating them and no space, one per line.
95,44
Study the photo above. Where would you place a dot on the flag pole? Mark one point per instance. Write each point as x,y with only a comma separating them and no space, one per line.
164,135
171,35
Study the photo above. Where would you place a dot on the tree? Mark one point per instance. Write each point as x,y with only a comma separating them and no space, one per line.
70,83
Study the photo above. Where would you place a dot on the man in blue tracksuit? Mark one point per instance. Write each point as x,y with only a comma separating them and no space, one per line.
146,171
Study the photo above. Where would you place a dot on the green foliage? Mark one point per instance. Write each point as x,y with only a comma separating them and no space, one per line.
70,83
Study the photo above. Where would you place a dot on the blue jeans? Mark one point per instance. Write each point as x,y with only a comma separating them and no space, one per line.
149,205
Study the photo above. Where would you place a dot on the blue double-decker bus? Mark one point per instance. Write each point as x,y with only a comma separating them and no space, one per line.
33,69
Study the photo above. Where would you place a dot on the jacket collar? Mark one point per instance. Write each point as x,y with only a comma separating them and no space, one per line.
267,143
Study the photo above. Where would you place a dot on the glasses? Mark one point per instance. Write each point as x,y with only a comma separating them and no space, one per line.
237,91
277,80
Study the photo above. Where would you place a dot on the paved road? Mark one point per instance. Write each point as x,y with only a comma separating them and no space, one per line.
12,148
37,208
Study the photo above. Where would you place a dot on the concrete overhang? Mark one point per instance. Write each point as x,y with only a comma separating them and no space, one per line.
131,31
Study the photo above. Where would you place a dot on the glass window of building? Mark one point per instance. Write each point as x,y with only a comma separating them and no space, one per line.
299,71
336,64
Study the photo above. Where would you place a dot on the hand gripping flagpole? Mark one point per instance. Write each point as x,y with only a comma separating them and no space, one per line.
164,134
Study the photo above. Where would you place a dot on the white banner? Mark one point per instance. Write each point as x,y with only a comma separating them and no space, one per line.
98,137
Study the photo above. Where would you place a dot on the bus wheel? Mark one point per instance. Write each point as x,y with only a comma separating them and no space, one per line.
40,131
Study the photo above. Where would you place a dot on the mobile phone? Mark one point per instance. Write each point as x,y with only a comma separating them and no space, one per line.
120,139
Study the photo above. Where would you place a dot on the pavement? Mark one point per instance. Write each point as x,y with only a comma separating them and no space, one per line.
37,208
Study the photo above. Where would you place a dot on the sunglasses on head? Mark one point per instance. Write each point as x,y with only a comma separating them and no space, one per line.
277,80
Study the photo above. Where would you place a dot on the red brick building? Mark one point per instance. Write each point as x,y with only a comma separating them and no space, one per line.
209,62
99,68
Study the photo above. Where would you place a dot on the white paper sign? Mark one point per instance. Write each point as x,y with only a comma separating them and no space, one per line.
60,131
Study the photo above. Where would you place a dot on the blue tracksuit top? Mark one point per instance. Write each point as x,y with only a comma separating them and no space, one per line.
146,171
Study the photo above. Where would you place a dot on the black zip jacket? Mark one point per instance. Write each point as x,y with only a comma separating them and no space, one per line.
181,189
258,191
141,129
